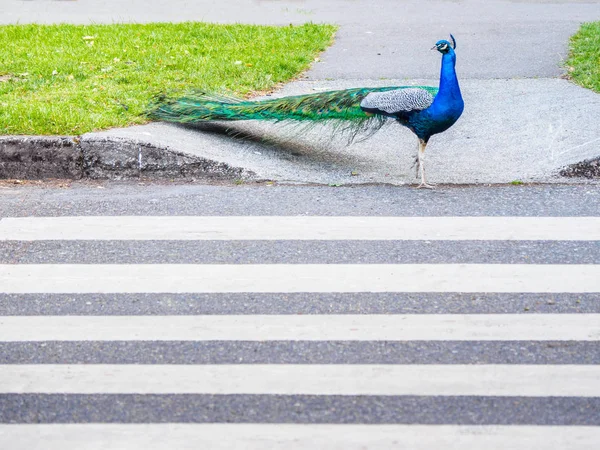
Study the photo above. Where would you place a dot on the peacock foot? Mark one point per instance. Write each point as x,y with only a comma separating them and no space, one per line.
425,185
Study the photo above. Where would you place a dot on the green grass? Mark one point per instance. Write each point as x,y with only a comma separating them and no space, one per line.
70,79
584,58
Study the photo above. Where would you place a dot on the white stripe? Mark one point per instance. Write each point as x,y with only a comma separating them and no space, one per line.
181,278
295,437
489,380
426,327
300,227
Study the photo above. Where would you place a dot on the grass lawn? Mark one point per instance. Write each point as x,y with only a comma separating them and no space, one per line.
584,58
71,79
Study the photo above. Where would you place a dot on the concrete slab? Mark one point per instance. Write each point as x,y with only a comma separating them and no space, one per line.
523,130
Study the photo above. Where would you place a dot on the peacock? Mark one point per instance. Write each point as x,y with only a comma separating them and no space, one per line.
424,110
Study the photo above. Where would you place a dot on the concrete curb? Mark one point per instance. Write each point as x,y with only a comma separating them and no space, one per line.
590,168
70,157
38,157
116,158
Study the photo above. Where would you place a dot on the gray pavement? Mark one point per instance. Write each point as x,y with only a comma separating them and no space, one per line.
520,122
176,199
301,352
385,38
331,303
303,409
256,252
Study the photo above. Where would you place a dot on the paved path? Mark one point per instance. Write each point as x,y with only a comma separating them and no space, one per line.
382,38
293,317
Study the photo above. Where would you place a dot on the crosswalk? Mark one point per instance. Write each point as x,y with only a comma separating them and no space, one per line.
299,332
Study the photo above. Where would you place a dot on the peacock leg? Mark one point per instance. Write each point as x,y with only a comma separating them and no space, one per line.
421,166
417,164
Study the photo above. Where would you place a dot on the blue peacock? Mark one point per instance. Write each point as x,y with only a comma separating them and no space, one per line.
424,110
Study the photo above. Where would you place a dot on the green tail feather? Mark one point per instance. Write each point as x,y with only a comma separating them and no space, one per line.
338,108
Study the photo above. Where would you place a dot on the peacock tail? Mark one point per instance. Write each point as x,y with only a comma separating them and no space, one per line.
341,109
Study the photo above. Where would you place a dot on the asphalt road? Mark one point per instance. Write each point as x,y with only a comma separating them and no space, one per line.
81,365
265,199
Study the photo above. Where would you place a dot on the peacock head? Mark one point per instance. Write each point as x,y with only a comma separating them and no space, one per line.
444,46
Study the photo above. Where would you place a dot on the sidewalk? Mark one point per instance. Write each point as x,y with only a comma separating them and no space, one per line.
521,121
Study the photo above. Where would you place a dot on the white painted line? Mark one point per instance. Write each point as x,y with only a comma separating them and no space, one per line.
299,228
411,327
219,436
286,278
282,379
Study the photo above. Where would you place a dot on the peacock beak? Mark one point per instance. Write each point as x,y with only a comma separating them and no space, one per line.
433,48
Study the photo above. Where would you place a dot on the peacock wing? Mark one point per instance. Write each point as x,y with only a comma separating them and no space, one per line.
398,101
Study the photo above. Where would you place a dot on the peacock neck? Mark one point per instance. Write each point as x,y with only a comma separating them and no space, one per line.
449,89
